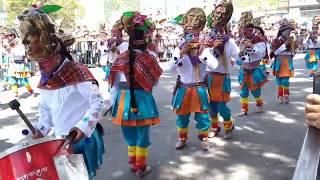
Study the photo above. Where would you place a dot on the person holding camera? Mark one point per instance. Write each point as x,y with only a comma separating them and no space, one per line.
252,51
283,50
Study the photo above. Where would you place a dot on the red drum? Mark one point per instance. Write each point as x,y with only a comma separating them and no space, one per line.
32,160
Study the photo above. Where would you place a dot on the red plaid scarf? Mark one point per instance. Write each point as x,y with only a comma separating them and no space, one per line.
146,69
71,73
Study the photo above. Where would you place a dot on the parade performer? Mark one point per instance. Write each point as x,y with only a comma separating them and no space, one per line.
115,46
283,49
19,70
313,49
252,51
133,75
260,32
70,99
191,91
225,51
102,47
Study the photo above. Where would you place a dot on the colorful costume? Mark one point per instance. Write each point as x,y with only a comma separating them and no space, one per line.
191,92
115,46
219,80
133,75
313,50
70,99
19,69
252,51
283,50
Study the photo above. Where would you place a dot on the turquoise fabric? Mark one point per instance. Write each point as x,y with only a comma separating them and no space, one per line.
92,149
317,53
312,66
244,93
147,108
136,136
263,67
202,121
277,64
226,83
20,81
179,96
283,81
258,75
106,69
221,108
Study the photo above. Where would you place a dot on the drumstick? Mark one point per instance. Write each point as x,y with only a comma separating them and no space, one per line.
14,105
68,140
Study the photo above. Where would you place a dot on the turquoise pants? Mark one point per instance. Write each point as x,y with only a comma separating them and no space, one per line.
136,135
221,108
245,92
202,120
283,81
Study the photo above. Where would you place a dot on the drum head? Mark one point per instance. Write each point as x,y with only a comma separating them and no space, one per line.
26,144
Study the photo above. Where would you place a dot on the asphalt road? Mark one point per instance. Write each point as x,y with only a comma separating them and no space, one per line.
264,146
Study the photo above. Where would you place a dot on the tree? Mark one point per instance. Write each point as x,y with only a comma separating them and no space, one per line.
68,14
256,5
71,10
112,6
15,8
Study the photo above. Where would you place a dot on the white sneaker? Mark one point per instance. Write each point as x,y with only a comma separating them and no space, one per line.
259,109
228,134
280,100
286,99
140,173
181,144
242,114
214,132
205,144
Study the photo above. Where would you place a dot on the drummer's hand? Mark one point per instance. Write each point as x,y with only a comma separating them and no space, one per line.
37,134
313,110
79,135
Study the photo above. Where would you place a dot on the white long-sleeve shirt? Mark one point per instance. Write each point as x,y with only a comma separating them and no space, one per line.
185,69
258,52
231,53
78,105
313,45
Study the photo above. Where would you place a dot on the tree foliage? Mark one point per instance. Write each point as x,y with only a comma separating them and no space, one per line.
112,6
68,14
257,4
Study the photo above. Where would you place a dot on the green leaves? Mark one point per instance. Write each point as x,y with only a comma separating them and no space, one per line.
178,19
143,28
128,14
209,21
50,8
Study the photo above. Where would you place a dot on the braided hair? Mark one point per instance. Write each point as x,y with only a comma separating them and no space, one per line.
134,35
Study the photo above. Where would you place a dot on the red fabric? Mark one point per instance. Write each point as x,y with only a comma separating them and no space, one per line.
71,73
280,91
153,47
286,92
245,107
146,69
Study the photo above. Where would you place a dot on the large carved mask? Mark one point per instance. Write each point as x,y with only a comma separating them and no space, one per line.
221,14
194,20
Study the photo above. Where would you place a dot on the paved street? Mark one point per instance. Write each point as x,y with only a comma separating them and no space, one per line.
264,146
